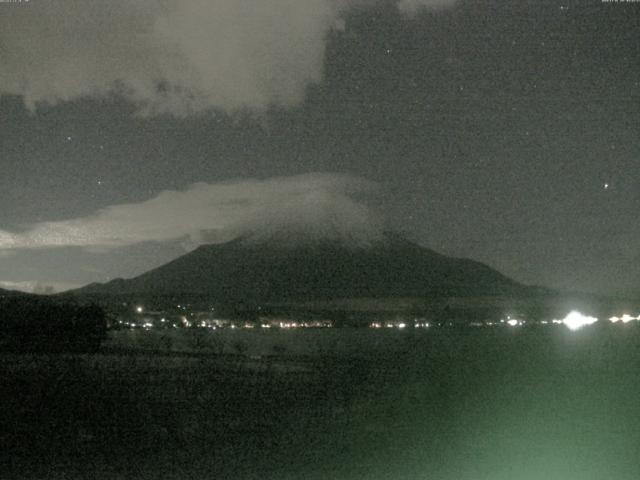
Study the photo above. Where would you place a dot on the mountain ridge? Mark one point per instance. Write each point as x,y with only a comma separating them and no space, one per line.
269,270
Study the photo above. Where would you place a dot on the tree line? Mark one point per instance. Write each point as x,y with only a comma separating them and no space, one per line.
35,324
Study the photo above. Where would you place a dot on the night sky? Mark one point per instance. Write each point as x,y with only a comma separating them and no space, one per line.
507,132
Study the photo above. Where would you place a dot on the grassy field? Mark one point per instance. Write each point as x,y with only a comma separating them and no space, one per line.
450,404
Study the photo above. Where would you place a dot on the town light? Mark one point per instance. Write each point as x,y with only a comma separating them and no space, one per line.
576,320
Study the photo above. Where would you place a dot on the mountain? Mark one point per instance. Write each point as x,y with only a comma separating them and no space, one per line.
13,293
271,269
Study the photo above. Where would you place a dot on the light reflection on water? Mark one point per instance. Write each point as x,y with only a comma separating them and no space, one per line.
538,405
470,403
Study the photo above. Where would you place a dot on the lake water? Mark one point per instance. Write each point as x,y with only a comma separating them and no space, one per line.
452,404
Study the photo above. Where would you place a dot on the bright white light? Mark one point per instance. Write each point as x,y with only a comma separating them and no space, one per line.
401,325
139,309
575,320
512,322
626,318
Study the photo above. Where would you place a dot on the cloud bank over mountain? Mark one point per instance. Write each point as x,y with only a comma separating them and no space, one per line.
310,206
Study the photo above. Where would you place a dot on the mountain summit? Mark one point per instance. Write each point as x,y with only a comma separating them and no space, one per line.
273,269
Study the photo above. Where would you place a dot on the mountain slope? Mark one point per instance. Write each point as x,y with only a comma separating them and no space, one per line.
13,293
268,270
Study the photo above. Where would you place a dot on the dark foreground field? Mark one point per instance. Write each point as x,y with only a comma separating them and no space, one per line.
474,404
